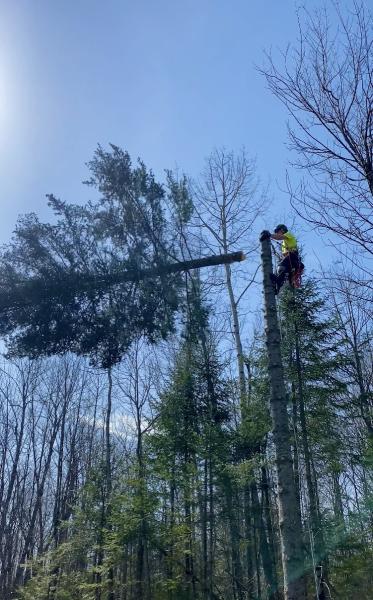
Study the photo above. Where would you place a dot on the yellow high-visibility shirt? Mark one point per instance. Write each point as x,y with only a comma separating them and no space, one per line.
289,243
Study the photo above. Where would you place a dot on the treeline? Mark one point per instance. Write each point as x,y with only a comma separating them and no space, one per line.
184,505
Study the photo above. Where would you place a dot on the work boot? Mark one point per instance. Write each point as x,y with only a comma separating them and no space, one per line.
280,278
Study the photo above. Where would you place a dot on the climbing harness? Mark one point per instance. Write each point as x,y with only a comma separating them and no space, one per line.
295,275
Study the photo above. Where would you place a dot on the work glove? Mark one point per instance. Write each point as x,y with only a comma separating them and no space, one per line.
265,235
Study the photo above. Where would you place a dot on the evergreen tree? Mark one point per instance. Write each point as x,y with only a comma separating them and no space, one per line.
314,360
58,266
189,447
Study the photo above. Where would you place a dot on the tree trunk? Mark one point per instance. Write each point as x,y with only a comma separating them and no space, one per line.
34,290
267,518
204,534
292,550
237,580
210,569
249,536
269,566
109,483
237,340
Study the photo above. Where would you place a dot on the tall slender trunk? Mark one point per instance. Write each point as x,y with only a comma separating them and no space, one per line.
208,534
204,529
237,338
269,567
56,570
237,580
124,574
105,502
5,546
141,537
170,559
109,482
337,498
210,569
365,399
274,593
292,549
189,558
256,542
249,535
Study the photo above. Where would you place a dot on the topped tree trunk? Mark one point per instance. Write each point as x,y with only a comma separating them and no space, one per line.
292,549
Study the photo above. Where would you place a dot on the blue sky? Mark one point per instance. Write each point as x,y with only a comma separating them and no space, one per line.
166,80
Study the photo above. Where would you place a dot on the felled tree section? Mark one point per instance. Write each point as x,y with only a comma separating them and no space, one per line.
54,292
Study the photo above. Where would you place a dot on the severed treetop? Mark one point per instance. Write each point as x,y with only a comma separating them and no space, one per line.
104,273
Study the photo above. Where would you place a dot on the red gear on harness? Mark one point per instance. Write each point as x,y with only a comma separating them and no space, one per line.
295,277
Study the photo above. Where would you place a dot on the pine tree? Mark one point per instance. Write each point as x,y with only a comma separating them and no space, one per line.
62,268
314,360
189,447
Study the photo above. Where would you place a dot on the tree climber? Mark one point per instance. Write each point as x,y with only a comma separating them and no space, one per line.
290,264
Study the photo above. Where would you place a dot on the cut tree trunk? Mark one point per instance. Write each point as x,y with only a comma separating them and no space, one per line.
292,549
34,289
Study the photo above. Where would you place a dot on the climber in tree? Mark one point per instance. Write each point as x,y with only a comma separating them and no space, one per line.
290,263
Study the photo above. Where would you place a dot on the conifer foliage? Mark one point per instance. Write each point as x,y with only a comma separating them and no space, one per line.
127,229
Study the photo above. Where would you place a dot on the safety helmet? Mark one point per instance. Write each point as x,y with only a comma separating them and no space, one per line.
281,227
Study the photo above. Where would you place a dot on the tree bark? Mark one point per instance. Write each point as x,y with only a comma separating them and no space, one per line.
269,567
274,593
34,290
238,591
292,550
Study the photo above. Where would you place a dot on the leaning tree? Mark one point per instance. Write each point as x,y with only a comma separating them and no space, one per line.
101,275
